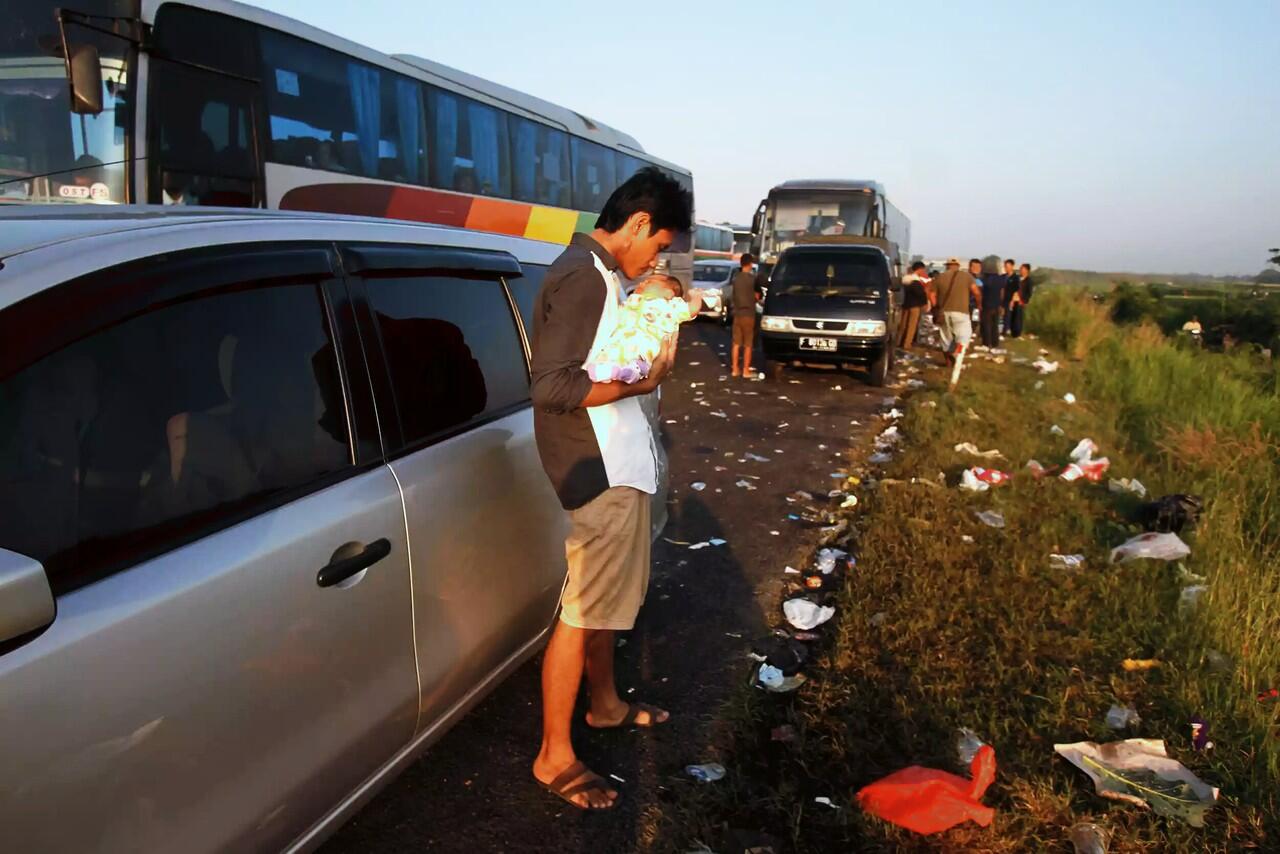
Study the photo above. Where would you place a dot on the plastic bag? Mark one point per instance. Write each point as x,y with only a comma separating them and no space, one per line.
969,482
1083,450
826,560
1138,770
1094,469
1058,561
1124,484
1119,717
972,450
1151,545
1089,838
1044,366
967,745
994,518
805,615
930,801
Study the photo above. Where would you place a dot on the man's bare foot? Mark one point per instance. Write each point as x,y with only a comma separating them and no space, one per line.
627,715
575,783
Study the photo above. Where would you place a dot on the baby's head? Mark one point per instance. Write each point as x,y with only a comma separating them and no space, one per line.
660,287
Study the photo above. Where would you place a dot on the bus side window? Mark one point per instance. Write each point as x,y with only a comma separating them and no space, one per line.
204,148
469,141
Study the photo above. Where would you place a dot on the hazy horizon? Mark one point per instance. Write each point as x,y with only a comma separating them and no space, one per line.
1144,138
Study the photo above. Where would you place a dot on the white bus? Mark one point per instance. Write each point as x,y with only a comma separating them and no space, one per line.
712,241
798,210
213,102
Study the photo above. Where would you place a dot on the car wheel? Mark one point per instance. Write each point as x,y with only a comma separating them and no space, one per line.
878,370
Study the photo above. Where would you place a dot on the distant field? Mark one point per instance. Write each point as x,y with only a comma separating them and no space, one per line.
1100,281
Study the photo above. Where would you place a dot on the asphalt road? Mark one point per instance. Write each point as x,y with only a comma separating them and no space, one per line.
473,791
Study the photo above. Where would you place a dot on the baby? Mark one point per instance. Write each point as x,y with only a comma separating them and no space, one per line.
669,287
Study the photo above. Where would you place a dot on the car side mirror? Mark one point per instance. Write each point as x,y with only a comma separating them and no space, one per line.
26,601
84,70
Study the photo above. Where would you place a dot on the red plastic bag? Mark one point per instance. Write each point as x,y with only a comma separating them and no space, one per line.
930,801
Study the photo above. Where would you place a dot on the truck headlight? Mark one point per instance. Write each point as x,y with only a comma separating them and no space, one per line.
867,328
776,324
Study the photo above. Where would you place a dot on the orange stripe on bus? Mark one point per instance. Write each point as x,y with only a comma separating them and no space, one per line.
500,216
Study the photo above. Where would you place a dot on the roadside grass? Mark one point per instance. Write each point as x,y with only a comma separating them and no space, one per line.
934,633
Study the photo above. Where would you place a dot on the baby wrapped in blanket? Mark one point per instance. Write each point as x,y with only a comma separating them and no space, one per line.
654,310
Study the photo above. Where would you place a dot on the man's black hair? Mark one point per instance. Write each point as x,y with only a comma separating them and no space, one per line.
654,192
973,261
919,265
1011,261
746,260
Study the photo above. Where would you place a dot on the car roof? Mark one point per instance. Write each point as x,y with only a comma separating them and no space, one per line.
41,245
717,262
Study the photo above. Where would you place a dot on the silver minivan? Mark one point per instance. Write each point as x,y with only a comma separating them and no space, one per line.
271,516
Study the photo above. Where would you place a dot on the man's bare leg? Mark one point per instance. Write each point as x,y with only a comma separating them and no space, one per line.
562,667
733,360
746,361
607,708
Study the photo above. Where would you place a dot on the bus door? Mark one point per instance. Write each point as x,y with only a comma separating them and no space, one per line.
204,137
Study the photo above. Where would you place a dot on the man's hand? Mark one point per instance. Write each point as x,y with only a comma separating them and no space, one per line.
663,363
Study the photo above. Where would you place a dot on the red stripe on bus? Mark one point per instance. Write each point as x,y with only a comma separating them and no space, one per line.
380,200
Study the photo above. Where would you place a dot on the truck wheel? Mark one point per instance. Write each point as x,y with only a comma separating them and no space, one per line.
878,370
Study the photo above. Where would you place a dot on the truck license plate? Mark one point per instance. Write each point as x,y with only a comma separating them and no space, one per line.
826,344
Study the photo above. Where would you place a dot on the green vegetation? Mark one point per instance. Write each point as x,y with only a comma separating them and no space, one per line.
934,633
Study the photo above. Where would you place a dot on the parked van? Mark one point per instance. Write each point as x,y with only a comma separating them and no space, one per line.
272,517
833,302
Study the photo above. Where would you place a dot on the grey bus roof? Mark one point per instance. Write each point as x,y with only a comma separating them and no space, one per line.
833,184
432,72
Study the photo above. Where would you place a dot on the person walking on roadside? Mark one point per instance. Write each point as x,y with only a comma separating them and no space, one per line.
1011,296
597,448
954,289
745,296
915,299
991,284
1023,300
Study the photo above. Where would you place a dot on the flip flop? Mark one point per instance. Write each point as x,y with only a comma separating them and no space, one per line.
633,712
561,786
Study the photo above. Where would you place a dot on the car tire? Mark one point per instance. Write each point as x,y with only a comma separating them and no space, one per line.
878,370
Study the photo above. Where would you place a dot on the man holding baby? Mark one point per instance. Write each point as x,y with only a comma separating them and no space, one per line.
598,450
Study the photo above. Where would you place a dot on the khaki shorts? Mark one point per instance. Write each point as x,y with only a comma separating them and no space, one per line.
744,328
608,555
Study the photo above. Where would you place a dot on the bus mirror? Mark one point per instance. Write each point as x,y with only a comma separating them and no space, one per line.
84,69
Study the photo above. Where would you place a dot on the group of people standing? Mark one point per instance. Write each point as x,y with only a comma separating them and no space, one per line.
952,297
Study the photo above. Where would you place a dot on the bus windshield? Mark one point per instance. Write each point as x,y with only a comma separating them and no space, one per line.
828,274
48,153
812,216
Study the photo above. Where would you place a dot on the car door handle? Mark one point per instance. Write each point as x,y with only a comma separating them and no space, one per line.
344,565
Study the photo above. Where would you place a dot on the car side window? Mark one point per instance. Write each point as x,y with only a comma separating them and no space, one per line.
452,350
524,290
178,418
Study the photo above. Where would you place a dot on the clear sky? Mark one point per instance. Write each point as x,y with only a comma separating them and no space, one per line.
1139,136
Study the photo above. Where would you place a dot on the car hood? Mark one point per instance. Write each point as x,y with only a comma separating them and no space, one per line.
851,307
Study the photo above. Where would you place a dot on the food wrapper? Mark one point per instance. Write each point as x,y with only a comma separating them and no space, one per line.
643,323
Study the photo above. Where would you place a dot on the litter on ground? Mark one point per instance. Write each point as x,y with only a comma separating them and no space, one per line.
1044,366
1134,665
708,773
1138,770
1126,485
994,518
927,800
803,614
1089,838
1119,717
1152,545
1057,431
967,746
972,450
1058,561
1069,397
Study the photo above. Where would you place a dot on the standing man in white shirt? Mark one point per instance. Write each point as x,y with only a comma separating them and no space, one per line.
600,454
